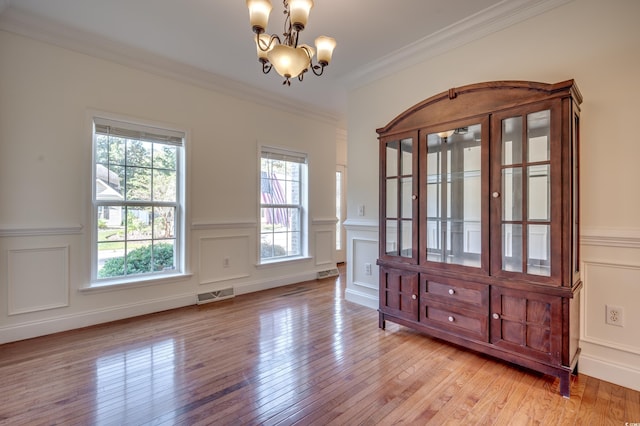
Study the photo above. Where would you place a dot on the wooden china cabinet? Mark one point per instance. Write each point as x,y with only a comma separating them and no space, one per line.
479,222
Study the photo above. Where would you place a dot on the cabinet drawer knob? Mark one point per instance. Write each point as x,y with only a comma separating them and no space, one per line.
451,319
496,194
414,296
452,291
496,316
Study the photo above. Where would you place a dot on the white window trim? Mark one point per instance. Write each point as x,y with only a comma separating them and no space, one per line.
304,197
182,237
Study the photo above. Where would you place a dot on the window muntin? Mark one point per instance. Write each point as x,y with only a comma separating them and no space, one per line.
137,201
282,198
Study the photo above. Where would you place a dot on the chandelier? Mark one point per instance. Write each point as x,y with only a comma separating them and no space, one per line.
285,55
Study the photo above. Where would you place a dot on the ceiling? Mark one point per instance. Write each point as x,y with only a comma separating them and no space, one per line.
213,37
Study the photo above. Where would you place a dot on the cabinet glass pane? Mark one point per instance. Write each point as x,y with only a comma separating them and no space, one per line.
512,247
434,244
512,194
407,201
538,128
539,249
392,238
539,191
392,159
512,141
454,196
392,197
406,238
407,156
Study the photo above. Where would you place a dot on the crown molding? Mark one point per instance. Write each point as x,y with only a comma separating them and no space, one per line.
486,22
45,30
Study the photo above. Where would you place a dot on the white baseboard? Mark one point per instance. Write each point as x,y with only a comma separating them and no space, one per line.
608,371
12,333
251,287
360,298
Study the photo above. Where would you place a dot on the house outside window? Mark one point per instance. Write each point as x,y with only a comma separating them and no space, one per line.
283,186
138,203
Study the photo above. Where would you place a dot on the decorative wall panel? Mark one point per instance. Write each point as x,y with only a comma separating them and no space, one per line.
38,279
324,248
224,258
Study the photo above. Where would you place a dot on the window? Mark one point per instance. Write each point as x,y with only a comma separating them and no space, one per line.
282,201
137,201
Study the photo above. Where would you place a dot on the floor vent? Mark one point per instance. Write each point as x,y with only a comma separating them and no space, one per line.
214,296
328,273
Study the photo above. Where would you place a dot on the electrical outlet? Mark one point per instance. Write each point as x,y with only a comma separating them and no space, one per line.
367,269
615,315
360,209
225,262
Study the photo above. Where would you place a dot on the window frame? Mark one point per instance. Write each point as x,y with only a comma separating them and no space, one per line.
179,237
302,159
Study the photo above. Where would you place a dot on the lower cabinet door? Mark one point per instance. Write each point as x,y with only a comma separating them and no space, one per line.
527,323
399,293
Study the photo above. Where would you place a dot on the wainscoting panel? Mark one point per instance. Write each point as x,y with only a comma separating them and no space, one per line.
612,284
224,258
38,279
324,248
611,276
364,268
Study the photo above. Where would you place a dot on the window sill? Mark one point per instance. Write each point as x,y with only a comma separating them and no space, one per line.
281,261
100,287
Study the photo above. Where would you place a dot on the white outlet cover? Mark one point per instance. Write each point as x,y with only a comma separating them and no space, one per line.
614,315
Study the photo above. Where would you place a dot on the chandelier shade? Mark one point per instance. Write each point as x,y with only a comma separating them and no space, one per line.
325,46
263,46
289,59
259,11
299,12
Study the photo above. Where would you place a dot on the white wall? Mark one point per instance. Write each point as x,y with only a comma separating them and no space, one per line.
597,44
47,94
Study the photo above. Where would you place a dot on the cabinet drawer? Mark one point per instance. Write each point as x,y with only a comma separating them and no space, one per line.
457,292
458,321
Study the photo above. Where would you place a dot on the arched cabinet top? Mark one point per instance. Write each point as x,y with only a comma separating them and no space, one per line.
478,99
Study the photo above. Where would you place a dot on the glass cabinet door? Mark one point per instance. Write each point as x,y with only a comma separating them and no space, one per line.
453,201
524,193
399,199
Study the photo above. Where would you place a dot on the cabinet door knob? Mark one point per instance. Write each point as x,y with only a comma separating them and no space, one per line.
496,316
414,197
452,291
414,296
451,319
496,194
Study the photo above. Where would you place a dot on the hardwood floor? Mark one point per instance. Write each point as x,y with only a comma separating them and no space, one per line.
294,355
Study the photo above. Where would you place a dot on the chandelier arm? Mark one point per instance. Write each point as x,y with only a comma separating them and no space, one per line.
321,67
265,47
266,67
